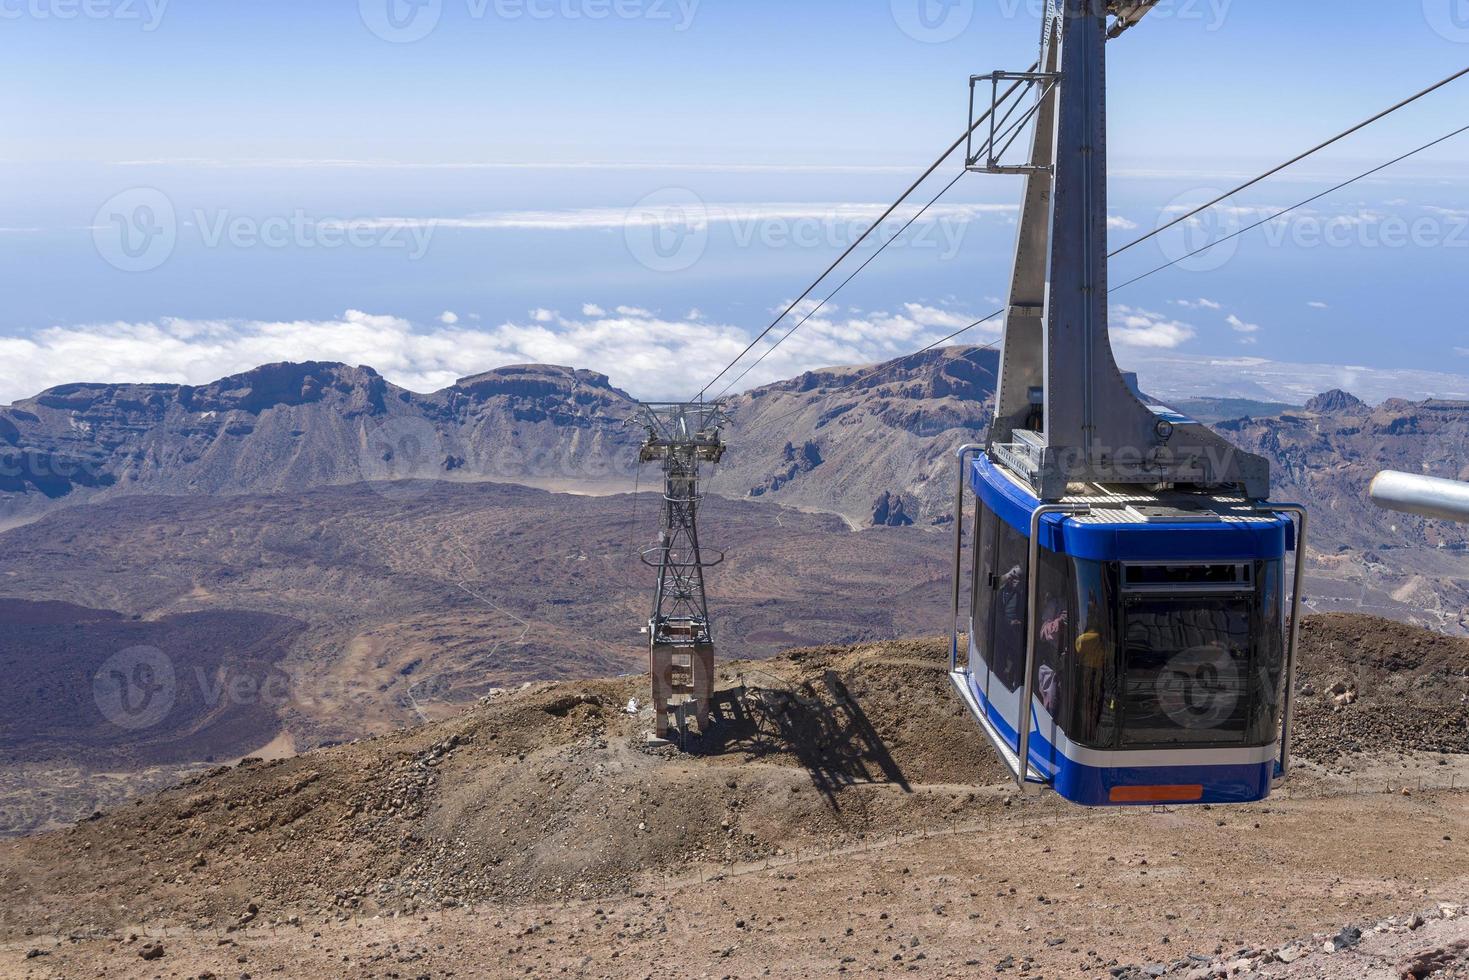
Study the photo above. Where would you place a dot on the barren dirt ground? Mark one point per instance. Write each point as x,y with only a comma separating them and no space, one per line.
1055,891
847,819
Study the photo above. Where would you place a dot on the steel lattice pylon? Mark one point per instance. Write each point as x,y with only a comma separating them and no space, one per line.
681,436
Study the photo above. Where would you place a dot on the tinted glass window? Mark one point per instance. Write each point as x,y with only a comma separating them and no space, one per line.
1186,671
1053,642
1007,657
1090,704
1269,668
984,566
1191,574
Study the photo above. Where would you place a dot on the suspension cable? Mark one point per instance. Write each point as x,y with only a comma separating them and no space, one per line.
1015,128
1152,234
1279,214
864,236
832,295
1294,207
874,371
1297,159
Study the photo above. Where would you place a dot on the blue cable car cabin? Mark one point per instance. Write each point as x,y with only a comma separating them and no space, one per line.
1127,632
1157,645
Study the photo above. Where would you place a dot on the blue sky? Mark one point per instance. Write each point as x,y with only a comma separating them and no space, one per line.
467,193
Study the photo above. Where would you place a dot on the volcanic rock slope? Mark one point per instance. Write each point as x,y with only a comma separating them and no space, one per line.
290,427
1328,452
794,840
550,789
832,440
379,604
862,442
1325,456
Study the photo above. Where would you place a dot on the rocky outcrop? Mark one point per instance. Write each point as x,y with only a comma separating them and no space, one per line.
280,427
833,440
881,428
794,463
889,510
1337,401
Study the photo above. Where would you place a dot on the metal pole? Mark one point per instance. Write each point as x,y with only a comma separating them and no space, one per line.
1288,715
1027,688
1425,496
962,452
994,111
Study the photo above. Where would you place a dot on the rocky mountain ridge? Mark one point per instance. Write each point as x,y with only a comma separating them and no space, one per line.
862,436
839,440
290,427
1327,453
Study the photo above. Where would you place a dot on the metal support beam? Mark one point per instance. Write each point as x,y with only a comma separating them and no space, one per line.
1288,712
1064,412
963,454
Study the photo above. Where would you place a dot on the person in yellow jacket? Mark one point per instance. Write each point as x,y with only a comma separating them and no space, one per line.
1093,652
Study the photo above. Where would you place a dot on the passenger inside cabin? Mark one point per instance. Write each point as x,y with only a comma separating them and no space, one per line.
1051,653
1010,631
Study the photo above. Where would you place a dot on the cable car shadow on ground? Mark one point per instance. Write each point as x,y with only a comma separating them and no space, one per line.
820,724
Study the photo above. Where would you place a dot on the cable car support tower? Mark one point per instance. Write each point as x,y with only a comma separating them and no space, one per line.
681,436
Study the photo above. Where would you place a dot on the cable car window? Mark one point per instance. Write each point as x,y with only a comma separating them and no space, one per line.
1187,574
1053,636
984,566
1265,688
1007,652
1090,716
1186,671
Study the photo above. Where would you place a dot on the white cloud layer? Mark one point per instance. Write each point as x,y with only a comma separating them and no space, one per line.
1173,375
337,163
691,213
1133,327
647,353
